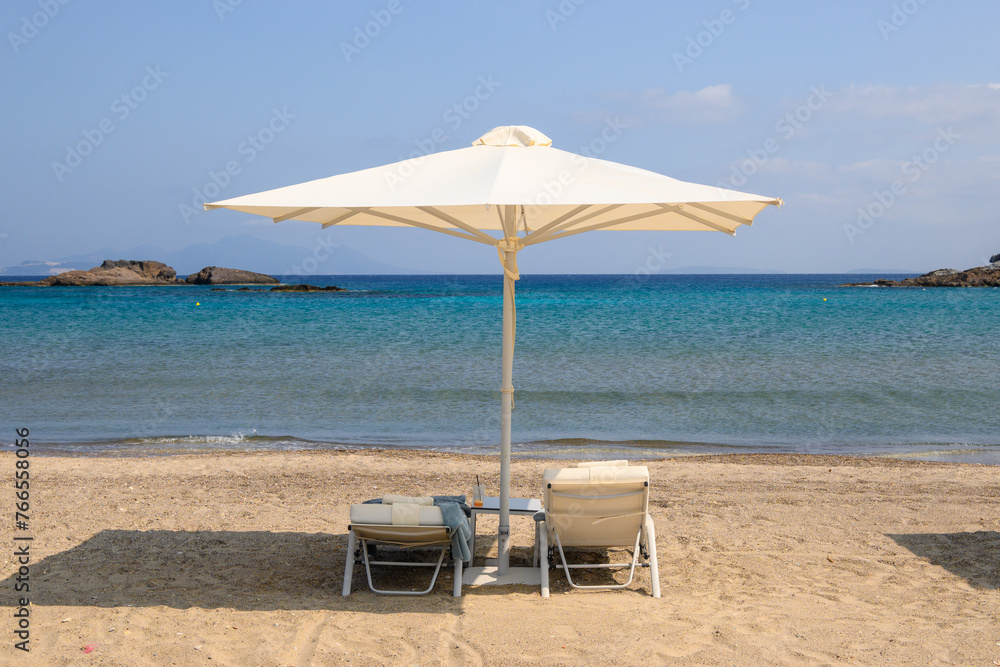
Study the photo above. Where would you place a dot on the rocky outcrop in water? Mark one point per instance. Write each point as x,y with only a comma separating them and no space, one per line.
117,272
125,272
980,276
307,288
215,275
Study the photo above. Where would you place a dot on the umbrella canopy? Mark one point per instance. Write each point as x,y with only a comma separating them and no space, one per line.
513,183
461,191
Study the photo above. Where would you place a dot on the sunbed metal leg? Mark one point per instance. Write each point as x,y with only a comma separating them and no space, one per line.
457,589
352,541
368,570
654,570
472,540
566,565
543,551
534,548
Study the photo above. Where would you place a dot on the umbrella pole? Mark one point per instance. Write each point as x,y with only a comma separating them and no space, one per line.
506,392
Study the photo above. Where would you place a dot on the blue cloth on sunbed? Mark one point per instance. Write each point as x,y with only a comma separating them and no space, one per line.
454,512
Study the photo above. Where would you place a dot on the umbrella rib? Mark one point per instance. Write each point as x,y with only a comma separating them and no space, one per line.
424,225
298,212
441,215
722,214
559,225
691,216
338,219
562,218
609,223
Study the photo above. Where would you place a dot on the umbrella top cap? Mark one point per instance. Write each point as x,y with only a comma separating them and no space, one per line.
513,135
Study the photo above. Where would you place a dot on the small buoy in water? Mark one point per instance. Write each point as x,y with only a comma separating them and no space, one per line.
824,298
198,303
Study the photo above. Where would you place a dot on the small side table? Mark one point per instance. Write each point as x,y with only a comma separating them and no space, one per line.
518,507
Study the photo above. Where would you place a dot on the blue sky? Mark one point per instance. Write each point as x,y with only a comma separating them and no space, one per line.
876,121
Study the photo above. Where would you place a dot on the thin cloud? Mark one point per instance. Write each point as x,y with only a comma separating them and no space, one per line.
653,106
930,104
783,166
878,168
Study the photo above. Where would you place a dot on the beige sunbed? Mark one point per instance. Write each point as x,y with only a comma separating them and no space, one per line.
403,525
598,506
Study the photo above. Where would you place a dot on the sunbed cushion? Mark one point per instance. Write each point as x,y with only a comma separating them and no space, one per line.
414,500
597,475
383,515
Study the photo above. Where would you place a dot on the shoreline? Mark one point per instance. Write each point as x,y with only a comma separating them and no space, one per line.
238,558
552,450
743,458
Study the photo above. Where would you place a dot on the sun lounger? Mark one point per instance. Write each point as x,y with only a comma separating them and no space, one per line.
400,524
598,506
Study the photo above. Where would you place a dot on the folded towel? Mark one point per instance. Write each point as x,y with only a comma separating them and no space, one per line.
602,464
608,474
406,514
415,500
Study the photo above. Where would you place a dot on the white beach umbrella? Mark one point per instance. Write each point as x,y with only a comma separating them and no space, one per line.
513,182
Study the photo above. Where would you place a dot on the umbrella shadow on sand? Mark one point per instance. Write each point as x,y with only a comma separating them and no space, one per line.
972,556
246,571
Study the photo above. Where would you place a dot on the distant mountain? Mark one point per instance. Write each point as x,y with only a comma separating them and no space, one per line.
884,271
237,252
718,269
36,268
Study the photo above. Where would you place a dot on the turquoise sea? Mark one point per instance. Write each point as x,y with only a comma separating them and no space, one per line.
659,365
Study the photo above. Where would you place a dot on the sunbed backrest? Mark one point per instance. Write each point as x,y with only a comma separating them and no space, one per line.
601,506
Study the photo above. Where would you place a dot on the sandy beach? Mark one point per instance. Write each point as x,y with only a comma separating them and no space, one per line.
238,559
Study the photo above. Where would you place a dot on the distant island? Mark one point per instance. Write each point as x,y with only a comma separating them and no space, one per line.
129,272
240,250
980,276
